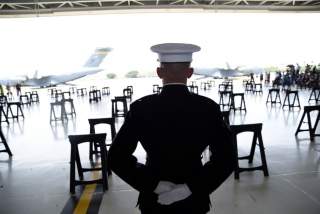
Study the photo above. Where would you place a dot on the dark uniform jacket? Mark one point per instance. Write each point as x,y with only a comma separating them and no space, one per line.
174,127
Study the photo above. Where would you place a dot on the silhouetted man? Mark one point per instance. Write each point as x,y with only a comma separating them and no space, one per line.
174,127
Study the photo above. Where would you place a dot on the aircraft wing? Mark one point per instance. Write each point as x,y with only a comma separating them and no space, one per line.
227,73
218,73
10,82
90,67
52,80
253,70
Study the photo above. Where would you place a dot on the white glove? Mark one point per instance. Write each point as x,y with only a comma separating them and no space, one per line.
178,193
164,186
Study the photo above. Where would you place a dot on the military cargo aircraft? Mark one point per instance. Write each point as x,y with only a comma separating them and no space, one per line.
228,72
90,67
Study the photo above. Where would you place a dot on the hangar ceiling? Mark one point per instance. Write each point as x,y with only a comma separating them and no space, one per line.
24,7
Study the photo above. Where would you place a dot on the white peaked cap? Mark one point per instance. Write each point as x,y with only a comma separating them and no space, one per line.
175,52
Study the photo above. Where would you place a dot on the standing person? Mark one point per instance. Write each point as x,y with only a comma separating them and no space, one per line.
174,127
261,77
9,93
18,89
251,77
1,90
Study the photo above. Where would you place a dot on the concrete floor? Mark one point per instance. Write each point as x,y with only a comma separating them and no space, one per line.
36,179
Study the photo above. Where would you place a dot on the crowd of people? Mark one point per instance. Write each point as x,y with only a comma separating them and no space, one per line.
8,90
307,77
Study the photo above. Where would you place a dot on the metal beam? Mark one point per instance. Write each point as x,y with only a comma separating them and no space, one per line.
22,6
230,2
119,3
97,1
80,4
137,2
12,6
263,2
61,5
43,6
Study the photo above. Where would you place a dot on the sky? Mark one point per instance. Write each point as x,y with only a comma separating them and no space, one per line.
62,44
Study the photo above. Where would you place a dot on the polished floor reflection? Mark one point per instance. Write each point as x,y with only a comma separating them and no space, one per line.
36,178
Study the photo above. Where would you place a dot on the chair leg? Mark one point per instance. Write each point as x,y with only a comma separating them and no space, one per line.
289,103
284,101
78,162
236,170
112,109
91,151
73,110
4,141
300,123
21,111
253,147
316,123
263,156
5,116
104,166
51,114
108,165
54,113
10,109
278,96
298,101
318,96
244,104
311,95
268,98
310,126
72,169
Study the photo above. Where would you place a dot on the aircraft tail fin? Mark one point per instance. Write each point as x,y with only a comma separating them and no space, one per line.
35,75
228,65
237,68
97,57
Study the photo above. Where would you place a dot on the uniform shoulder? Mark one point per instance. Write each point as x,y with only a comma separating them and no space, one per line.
149,99
204,100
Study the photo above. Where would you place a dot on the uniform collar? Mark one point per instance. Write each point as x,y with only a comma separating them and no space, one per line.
175,89
175,83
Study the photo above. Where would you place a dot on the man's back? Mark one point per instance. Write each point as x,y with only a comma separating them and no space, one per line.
174,128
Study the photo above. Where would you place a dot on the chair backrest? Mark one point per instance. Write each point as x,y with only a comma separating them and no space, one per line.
110,121
59,97
92,88
72,90
222,87
24,99
77,139
226,93
130,87
274,89
312,108
127,92
254,127
3,100
66,95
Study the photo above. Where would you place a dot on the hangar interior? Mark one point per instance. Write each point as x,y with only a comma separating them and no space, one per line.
35,179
